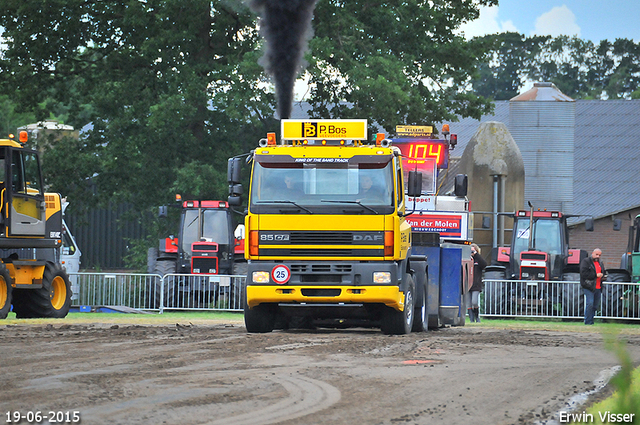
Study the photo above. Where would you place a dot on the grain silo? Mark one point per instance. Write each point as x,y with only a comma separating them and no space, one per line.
493,163
542,123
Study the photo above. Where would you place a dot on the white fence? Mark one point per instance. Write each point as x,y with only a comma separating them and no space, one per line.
500,298
158,293
521,298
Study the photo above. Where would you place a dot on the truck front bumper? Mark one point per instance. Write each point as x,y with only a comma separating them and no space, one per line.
390,296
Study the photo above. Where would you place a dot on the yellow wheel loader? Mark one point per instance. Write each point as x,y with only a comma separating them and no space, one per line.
31,277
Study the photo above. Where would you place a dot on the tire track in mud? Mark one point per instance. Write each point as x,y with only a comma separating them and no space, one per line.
306,396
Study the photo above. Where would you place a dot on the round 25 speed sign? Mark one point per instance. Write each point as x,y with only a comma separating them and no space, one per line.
280,274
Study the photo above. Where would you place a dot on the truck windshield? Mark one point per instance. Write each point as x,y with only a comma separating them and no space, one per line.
284,182
212,227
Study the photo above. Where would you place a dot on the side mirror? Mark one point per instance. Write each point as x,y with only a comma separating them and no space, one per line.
414,185
588,224
235,195
234,167
461,185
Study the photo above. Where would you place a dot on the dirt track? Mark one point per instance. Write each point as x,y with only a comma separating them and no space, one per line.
219,374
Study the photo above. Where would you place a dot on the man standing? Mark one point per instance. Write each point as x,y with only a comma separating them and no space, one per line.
592,272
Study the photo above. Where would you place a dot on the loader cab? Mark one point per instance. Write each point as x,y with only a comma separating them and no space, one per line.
22,195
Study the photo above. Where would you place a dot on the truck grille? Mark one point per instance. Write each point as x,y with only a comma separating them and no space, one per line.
321,268
319,292
321,238
319,252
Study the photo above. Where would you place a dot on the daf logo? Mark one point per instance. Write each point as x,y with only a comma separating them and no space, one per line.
367,238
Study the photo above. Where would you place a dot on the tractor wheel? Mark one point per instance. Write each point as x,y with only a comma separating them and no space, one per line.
396,322
497,296
54,298
572,296
5,292
421,319
613,295
237,298
260,319
162,268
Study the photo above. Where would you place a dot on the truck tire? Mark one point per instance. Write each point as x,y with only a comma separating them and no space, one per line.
572,296
260,319
396,322
420,317
5,292
236,298
52,300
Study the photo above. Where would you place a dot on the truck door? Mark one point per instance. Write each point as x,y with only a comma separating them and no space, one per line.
25,195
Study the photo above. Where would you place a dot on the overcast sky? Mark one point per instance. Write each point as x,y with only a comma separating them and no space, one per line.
593,20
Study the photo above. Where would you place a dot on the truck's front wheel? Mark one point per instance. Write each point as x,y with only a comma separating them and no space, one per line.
421,318
260,319
396,322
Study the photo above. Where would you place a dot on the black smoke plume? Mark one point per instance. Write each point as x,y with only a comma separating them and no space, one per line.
286,26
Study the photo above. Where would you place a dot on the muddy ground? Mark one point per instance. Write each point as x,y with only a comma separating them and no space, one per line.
216,373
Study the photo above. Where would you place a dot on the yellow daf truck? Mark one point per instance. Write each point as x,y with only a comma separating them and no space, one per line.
326,235
32,281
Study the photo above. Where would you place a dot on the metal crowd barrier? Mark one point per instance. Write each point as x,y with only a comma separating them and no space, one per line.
553,299
500,298
158,293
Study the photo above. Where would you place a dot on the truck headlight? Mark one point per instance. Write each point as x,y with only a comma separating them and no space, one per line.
381,277
525,274
260,277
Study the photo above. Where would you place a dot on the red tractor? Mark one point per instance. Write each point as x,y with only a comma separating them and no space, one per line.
539,254
197,265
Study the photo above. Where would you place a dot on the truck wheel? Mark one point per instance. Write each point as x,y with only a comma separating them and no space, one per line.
420,319
260,319
5,292
396,322
572,296
54,298
237,299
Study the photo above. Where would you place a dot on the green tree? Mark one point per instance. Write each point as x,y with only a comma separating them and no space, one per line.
506,64
166,84
172,88
394,62
579,68
10,118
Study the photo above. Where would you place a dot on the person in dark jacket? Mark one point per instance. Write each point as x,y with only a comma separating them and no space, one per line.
473,296
592,274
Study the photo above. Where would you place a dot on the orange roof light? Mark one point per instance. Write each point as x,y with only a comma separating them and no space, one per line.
271,139
445,129
379,138
24,136
178,197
